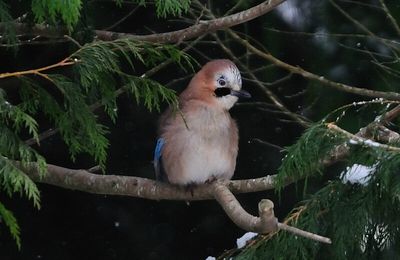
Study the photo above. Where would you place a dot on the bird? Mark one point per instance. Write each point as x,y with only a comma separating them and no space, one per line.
199,143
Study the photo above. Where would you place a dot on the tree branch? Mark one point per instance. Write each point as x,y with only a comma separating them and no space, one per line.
65,62
264,224
82,180
198,29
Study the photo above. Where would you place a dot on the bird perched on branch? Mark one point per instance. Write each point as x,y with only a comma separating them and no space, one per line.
199,143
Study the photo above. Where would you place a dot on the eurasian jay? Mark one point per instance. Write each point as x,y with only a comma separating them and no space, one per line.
200,143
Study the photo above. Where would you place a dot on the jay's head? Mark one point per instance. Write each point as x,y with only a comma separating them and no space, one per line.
218,83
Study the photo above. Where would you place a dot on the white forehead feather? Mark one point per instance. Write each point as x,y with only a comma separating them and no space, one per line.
226,68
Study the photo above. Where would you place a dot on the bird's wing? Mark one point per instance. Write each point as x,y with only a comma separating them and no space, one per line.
160,172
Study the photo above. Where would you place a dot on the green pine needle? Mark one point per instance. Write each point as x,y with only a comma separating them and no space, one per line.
10,221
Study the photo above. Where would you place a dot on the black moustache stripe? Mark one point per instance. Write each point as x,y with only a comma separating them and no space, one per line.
221,92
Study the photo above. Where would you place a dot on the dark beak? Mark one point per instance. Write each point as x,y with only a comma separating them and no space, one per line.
240,94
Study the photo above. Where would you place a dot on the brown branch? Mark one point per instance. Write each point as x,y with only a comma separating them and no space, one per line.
196,30
264,224
65,62
303,233
390,115
83,180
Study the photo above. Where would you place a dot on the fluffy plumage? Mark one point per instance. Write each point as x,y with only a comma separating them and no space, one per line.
201,144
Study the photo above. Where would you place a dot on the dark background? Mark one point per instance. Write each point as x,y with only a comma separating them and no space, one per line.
77,225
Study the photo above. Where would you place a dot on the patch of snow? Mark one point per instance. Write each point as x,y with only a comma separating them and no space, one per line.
241,242
352,141
371,143
357,173
210,258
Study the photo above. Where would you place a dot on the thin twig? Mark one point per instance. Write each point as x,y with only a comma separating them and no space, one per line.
390,16
65,62
305,234
266,90
358,24
309,75
122,19
279,148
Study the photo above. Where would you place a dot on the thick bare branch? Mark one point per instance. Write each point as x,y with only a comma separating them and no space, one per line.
198,29
82,180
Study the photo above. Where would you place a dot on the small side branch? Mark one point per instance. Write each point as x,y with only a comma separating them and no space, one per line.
65,62
303,233
265,223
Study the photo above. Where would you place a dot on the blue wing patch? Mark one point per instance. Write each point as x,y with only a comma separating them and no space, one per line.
160,173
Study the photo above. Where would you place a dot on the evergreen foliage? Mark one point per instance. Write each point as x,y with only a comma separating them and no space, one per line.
174,7
303,159
68,101
50,11
165,7
6,20
12,178
360,218
9,220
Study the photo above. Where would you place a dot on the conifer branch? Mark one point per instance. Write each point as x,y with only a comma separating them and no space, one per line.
50,132
354,139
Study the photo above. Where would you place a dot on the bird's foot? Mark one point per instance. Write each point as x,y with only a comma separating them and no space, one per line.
190,187
210,180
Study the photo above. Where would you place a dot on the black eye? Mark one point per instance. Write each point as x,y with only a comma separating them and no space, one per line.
221,82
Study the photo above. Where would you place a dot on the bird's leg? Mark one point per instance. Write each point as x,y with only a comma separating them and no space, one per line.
190,187
210,180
